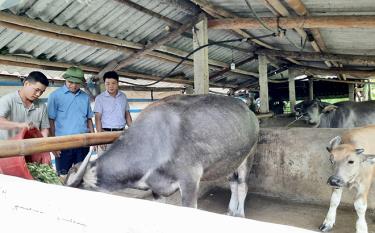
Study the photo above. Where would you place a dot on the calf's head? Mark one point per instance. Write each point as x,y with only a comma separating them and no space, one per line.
348,161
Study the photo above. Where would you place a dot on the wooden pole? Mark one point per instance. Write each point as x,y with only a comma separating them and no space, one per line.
311,89
360,21
312,56
351,92
201,74
369,91
9,148
263,84
292,90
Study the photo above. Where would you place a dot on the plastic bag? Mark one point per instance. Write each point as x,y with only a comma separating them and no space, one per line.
16,166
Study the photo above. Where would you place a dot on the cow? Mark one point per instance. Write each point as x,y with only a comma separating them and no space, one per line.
340,115
173,145
353,156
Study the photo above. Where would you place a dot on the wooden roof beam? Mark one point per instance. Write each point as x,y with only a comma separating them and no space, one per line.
172,23
280,10
361,60
37,27
367,21
301,10
220,13
356,74
148,48
61,66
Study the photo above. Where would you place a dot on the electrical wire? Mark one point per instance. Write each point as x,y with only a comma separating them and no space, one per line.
195,50
279,29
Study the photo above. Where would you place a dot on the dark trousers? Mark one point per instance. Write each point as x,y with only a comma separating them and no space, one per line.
70,157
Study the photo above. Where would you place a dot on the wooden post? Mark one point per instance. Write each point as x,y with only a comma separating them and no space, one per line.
292,90
351,92
369,90
189,90
263,84
201,75
311,89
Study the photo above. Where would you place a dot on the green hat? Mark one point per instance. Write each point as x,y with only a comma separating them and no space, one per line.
75,75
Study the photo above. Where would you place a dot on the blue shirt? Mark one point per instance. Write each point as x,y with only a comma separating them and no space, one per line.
69,111
112,109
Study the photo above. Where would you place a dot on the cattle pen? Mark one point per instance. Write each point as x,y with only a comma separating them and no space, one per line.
304,67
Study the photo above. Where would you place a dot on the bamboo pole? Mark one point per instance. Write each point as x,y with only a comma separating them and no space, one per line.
362,21
10,148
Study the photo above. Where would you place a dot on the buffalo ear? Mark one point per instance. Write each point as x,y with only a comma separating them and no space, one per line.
369,159
334,143
359,151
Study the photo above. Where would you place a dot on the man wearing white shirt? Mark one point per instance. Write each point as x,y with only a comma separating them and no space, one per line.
111,107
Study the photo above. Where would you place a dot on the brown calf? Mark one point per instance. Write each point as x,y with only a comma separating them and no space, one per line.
353,156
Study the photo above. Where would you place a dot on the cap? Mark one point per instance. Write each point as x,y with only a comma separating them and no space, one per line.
75,75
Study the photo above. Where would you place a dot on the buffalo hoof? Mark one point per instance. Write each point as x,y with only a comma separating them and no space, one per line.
233,214
325,227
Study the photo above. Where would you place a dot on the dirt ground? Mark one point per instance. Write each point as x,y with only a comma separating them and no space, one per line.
276,211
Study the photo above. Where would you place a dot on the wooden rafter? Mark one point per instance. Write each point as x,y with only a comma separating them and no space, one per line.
280,10
363,21
60,66
218,12
36,27
301,10
361,60
148,48
186,6
356,74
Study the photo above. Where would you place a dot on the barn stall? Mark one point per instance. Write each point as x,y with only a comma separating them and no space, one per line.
293,50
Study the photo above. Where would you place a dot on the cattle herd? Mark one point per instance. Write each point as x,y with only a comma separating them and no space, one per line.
181,140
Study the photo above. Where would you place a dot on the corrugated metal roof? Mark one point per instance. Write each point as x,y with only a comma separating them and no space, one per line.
115,19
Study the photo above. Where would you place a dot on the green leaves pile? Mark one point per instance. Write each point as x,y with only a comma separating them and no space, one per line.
43,173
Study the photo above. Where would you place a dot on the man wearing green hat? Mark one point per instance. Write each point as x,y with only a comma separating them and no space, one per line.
69,113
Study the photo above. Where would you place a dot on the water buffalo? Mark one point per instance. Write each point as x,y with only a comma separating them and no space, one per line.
340,115
353,156
174,144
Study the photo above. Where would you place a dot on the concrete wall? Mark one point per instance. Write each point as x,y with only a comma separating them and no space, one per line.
293,164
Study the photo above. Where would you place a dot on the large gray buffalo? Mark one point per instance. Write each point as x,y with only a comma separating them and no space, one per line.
340,115
173,145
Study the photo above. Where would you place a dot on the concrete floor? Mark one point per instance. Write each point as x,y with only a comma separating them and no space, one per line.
275,211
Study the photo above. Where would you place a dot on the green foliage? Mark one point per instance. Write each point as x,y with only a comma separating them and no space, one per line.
43,173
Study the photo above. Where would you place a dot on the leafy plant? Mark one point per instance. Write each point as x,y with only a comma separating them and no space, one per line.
43,173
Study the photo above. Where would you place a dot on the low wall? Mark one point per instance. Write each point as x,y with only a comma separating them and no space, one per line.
293,164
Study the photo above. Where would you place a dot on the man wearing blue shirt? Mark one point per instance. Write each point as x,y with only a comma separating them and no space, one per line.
69,112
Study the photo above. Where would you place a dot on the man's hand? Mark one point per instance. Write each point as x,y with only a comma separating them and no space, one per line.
56,153
103,147
28,125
